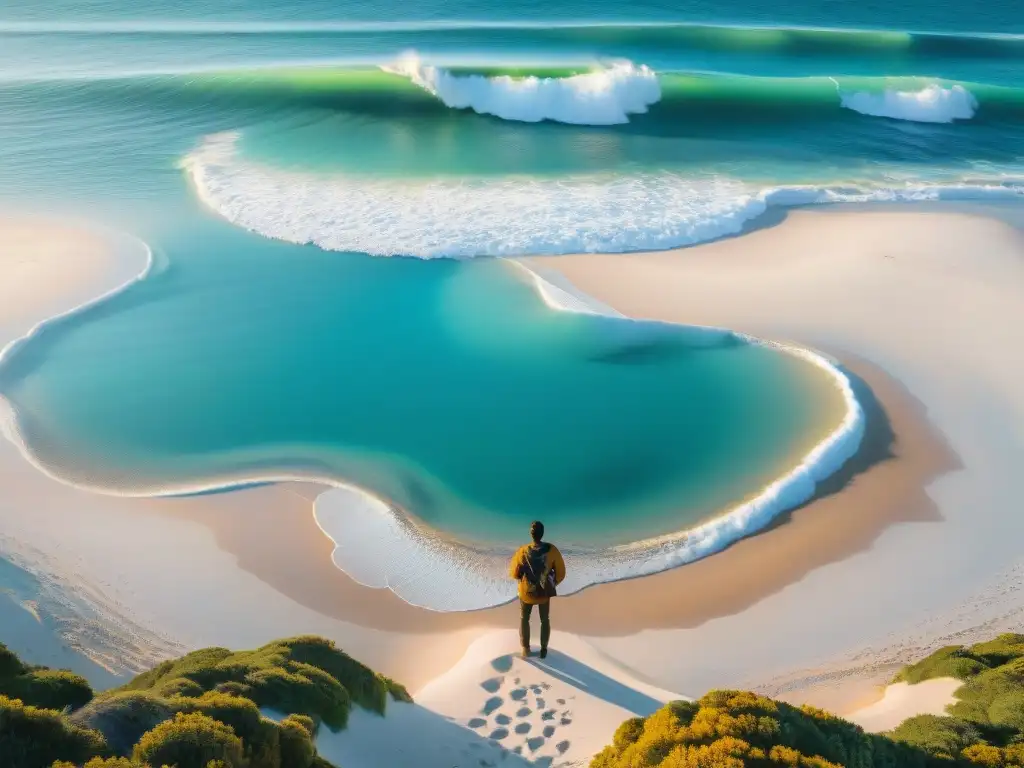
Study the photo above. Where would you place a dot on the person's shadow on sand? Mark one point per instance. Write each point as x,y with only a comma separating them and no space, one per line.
596,684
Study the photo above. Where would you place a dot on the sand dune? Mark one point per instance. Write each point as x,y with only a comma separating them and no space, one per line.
902,700
495,707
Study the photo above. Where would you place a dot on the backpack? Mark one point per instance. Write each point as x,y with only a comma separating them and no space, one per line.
537,573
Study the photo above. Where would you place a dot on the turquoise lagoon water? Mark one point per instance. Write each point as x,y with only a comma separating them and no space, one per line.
301,170
446,387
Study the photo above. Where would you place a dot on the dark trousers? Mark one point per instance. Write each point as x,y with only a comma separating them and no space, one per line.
525,611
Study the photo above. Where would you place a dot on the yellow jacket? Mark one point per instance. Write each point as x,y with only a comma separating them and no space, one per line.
517,566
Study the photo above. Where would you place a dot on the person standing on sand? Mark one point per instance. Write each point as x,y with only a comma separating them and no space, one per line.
539,569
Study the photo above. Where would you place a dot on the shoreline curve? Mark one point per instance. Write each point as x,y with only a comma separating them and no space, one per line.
345,507
385,532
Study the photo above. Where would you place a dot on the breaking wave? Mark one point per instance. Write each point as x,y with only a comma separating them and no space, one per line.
466,217
603,97
931,104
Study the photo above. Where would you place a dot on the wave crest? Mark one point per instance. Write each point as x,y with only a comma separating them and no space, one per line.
604,97
466,217
931,104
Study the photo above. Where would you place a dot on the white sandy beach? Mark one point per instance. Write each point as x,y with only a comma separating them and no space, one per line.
932,299
557,711
902,700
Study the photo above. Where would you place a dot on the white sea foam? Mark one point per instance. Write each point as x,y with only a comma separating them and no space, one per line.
606,96
931,104
379,546
465,217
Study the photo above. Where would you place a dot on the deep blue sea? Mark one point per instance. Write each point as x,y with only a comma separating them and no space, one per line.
325,185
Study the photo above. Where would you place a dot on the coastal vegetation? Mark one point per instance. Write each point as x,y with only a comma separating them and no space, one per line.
213,708
217,708
985,724
736,729
41,686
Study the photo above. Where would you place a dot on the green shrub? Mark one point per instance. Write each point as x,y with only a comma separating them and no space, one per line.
49,689
172,706
190,741
10,664
235,689
736,729
1001,650
306,722
198,666
260,737
943,736
39,686
628,733
397,690
951,661
307,675
364,686
1007,710
983,754
123,717
179,686
307,690
976,697
297,748
34,738
994,757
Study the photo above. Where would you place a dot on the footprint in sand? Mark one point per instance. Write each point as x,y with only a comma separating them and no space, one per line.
503,664
524,712
566,719
523,728
492,704
535,743
549,715
560,702
498,734
477,722
518,750
541,704
549,731
518,694
503,719
562,747
492,685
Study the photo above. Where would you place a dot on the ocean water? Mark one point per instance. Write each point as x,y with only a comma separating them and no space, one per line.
323,186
